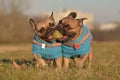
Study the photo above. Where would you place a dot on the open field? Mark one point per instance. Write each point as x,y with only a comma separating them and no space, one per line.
106,64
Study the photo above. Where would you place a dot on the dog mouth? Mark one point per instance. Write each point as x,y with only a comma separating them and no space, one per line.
65,31
51,34
48,35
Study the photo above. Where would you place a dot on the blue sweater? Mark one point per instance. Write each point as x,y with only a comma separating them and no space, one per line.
49,52
84,48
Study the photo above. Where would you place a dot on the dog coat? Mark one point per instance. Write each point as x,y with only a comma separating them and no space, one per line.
83,49
48,53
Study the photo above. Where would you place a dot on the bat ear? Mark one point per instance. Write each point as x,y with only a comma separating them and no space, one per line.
32,23
81,21
72,14
51,16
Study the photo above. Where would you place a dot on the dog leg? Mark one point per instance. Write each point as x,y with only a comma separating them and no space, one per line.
59,63
90,58
40,60
82,60
75,60
66,63
52,63
16,65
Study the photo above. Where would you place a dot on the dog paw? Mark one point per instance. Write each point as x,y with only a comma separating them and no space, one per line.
15,65
38,64
79,65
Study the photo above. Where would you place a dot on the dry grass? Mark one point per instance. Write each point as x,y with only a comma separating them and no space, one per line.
106,65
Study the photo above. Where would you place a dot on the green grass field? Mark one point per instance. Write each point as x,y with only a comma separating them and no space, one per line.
106,64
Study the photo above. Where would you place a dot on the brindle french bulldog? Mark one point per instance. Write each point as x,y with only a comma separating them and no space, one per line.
74,32
44,45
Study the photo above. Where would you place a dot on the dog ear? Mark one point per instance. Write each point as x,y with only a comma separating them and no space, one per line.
51,16
81,21
72,14
32,23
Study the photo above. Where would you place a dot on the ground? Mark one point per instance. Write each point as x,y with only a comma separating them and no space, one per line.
106,64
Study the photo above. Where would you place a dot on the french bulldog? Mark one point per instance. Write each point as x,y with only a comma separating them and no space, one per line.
74,32
44,45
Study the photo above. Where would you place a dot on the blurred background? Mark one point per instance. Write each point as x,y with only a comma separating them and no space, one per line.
103,17
16,38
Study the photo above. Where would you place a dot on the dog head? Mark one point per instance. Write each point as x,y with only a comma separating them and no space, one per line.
70,27
44,28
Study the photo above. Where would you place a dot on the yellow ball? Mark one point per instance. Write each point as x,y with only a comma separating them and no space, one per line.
57,35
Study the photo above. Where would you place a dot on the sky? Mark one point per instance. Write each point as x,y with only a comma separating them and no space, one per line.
103,10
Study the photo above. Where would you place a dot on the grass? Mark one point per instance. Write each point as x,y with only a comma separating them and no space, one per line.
106,66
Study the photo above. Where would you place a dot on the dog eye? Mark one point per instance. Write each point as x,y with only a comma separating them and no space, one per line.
51,24
66,23
42,30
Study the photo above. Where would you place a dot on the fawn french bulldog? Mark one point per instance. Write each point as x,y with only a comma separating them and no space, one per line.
44,45
76,40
